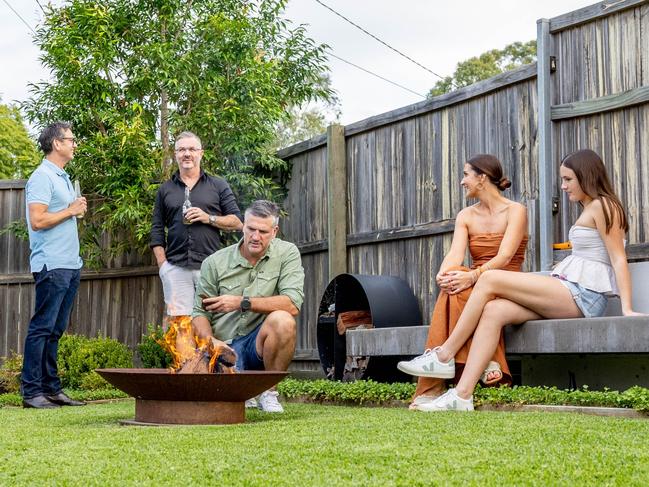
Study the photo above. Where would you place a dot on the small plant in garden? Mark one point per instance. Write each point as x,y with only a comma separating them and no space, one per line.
152,354
79,356
10,373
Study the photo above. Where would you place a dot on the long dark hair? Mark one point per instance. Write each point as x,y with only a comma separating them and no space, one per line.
593,179
491,167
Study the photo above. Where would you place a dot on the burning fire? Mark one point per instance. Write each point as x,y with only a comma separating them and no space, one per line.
192,354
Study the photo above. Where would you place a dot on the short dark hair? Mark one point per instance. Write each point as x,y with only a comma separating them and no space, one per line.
53,131
264,209
189,135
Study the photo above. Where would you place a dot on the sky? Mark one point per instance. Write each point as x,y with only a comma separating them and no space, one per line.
435,33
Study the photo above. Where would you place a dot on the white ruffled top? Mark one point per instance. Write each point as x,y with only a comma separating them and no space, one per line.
589,265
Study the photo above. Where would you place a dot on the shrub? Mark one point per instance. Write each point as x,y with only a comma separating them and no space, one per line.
367,391
152,354
79,356
10,373
92,381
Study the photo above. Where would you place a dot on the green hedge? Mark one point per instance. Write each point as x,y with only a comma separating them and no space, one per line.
79,356
10,373
360,392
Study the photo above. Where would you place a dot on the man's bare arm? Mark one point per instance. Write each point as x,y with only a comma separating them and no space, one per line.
40,218
265,305
228,222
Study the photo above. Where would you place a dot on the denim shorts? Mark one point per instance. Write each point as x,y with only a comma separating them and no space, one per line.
591,303
247,357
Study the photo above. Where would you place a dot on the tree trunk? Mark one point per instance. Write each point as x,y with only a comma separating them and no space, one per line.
164,112
164,129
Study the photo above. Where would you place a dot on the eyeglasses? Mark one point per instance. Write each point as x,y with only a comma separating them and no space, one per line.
191,150
73,139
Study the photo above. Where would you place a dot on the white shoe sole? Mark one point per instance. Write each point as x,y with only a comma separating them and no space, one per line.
440,410
422,373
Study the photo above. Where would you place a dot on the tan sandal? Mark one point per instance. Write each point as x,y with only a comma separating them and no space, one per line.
491,367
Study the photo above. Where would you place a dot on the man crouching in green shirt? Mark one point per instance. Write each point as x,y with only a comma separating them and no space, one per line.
248,296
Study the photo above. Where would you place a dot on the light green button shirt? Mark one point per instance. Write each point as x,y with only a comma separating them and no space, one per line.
278,273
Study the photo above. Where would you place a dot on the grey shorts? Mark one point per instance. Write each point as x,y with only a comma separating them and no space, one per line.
591,303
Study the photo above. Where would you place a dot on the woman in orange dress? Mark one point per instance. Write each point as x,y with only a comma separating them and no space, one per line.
495,232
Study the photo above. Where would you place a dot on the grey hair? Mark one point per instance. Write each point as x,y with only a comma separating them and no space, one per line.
264,209
50,133
189,135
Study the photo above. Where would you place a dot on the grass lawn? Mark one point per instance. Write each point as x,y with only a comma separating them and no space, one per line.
322,445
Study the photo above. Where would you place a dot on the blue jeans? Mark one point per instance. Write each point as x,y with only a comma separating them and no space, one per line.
55,293
245,346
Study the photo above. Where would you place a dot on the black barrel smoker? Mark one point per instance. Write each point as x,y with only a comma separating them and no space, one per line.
390,302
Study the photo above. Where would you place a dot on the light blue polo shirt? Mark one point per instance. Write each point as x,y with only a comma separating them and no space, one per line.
56,247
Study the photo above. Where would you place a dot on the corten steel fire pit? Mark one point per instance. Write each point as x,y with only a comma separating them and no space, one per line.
164,397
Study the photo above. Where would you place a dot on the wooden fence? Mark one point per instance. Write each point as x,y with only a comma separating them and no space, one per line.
395,183
379,196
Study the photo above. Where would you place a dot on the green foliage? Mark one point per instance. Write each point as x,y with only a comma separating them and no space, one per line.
361,392
635,397
486,65
10,373
17,228
304,122
18,154
129,75
79,356
151,353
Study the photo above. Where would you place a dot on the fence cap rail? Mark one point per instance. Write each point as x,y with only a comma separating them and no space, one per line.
13,183
591,12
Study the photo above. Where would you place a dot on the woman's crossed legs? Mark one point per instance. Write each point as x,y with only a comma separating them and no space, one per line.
502,298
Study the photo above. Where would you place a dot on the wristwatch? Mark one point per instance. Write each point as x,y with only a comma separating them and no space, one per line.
245,304
212,219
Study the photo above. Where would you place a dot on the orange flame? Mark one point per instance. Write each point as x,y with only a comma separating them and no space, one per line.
183,345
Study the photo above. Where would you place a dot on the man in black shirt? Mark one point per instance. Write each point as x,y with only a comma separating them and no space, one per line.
193,207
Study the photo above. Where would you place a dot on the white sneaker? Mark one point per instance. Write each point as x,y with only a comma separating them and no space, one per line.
420,400
251,403
428,365
268,402
449,401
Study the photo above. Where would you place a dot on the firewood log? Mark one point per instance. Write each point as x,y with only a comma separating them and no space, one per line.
198,364
353,319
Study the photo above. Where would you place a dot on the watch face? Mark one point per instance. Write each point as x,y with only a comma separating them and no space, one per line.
245,304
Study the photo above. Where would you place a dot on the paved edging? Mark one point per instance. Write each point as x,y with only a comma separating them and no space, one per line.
596,411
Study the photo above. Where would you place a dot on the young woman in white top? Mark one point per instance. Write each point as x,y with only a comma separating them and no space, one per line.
578,287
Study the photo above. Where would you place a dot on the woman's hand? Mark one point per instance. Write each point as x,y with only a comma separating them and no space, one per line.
457,281
442,279
630,312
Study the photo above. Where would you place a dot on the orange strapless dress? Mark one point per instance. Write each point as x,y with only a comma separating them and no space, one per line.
448,308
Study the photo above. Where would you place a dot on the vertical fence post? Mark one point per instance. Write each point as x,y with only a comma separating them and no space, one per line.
546,167
336,200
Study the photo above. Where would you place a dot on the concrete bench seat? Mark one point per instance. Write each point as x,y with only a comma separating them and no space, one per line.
609,334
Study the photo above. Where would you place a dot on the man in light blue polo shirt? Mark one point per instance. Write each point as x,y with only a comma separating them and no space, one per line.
52,211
